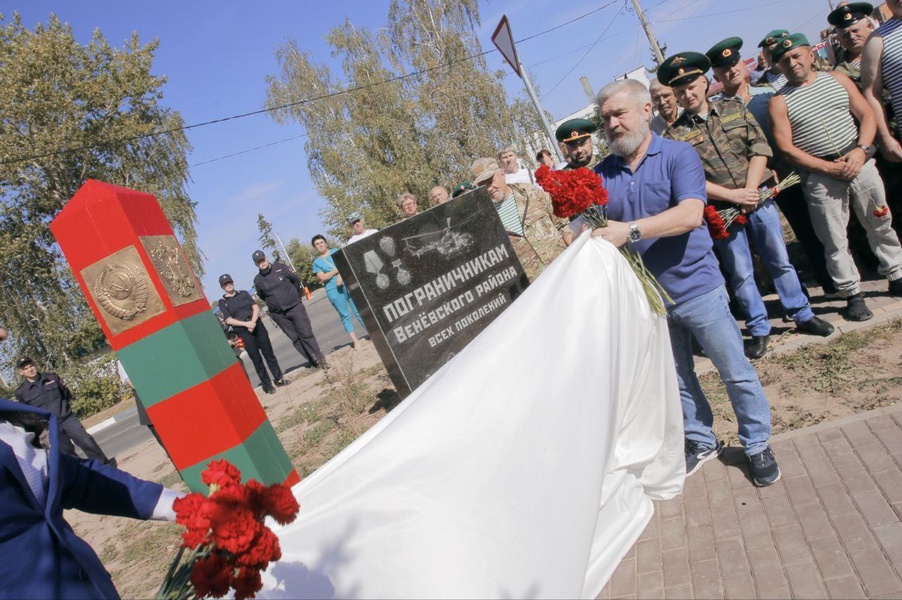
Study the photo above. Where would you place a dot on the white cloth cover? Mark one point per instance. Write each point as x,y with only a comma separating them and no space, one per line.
526,467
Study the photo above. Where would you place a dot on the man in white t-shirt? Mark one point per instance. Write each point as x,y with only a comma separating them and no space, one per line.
358,228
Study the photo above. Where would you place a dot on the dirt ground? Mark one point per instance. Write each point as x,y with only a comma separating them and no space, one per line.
318,414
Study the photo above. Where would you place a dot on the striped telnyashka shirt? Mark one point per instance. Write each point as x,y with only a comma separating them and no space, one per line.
822,124
510,218
891,63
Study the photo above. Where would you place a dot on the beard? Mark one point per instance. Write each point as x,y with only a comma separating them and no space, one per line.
628,143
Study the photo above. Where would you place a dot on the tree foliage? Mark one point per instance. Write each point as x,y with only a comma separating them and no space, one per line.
267,242
367,146
302,256
68,113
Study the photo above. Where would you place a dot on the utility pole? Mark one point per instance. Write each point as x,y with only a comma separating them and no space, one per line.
659,54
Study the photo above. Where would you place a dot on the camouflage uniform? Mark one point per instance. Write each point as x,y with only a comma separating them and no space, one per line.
725,142
543,240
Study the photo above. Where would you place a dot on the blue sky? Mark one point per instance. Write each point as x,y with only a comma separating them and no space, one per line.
217,55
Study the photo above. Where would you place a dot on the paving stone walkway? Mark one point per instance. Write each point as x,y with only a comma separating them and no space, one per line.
830,528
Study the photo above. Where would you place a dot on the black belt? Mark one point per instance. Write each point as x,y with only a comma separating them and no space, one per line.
835,155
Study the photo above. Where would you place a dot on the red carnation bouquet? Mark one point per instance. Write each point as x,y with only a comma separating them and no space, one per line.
581,193
575,193
227,542
720,221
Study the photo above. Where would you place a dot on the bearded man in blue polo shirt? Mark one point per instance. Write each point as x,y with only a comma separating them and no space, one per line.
656,190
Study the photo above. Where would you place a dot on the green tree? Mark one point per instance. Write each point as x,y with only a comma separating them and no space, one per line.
302,256
368,146
267,240
68,113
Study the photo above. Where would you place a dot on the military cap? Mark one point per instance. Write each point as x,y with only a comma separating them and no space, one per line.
795,40
683,68
24,362
725,53
850,14
354,217
258,256
575,129
773,37
483,169
462,188
224,279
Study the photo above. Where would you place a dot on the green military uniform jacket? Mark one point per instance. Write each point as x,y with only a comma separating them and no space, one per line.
725,141
543,238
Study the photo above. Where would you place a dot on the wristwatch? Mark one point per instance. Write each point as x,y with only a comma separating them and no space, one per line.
868,150
635,232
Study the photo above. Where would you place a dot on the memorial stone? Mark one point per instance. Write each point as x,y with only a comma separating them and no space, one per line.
428,285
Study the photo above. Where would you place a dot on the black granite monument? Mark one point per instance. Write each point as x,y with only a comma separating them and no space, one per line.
428,285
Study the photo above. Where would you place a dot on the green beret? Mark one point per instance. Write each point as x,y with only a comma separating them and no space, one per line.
575,129
683,68
850,14
796,40
725,53
773,37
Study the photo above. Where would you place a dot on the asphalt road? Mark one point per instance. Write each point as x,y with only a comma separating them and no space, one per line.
126,433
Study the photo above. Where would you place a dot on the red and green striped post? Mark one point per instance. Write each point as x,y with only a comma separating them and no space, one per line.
153,311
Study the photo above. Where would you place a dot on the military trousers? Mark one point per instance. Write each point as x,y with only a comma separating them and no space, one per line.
829,200
295,323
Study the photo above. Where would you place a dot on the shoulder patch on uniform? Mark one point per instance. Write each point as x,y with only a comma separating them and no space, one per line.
730,118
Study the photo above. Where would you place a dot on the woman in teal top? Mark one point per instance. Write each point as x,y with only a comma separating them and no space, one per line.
336,291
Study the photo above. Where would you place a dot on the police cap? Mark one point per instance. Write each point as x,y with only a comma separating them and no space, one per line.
24,362
224,279
683,68
773,37
725,53
850,14
795,40
575,129
258,256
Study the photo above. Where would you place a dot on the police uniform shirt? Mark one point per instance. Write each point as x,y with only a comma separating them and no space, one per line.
279,287
239,306
48,392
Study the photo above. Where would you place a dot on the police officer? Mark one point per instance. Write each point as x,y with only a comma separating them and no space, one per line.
241,312
575,137
280,288
48,392
734,154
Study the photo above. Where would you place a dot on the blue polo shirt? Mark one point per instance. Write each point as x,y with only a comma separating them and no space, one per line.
671,172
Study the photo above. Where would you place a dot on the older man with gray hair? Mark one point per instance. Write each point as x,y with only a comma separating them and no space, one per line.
656,191
537,236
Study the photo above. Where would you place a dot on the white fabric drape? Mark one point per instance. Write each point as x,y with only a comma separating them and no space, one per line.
526,467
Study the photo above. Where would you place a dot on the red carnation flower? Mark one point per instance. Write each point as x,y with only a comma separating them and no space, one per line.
211,576
264,550
247,582
193,512
572,192
233,528
275,501
221,473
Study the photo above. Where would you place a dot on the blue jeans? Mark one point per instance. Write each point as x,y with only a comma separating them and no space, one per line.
708,319
343,304
767,233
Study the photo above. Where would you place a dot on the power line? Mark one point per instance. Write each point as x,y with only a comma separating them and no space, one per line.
595,43
212,160
291,104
